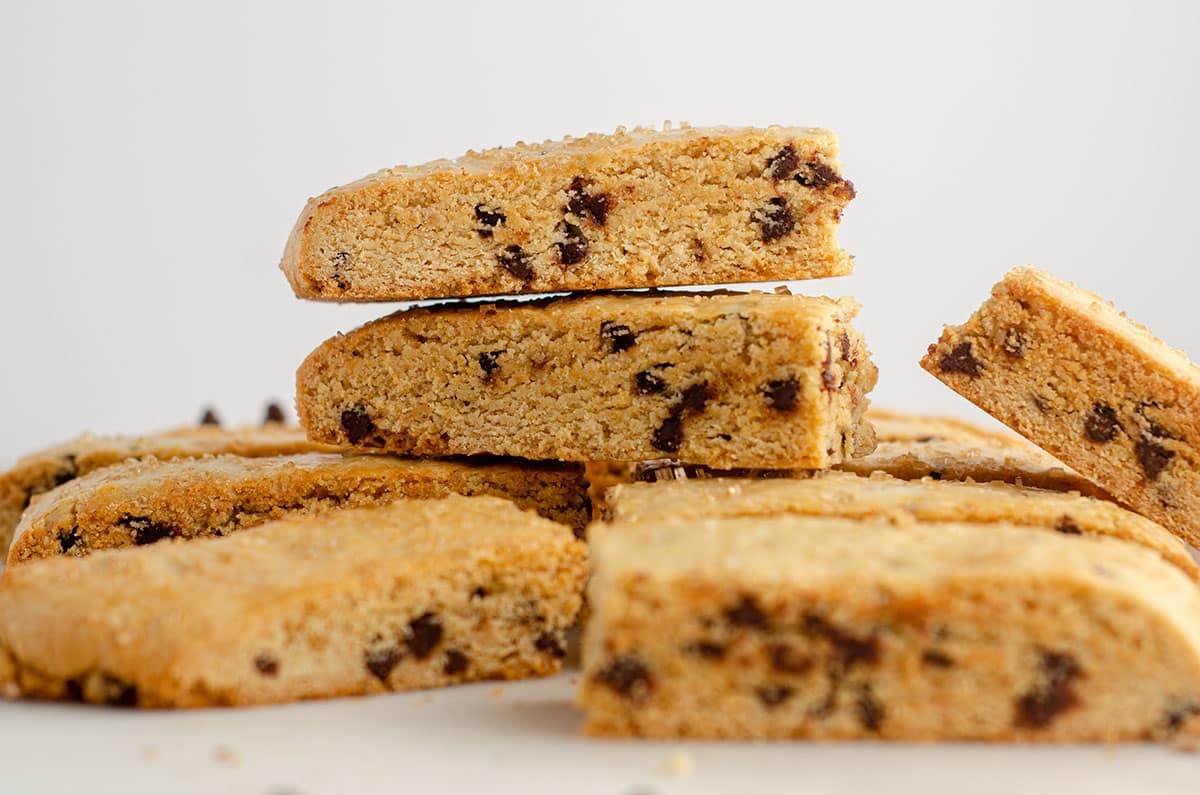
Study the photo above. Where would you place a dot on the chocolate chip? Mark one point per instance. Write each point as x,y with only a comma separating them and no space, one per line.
488,219
514,260
960,359
847,351
456,663
746,613
68,470
818,175
1052,694
774,220
549,643
785,659
267,664
1178,714
584,204
1101,425
274,414
479,593
669,436
145,530
69,539
338,262
870,711
648,383
1067,525
851,650
425,633
694,398
357,424
574,246
382,660
706,649
936,659
783,164
116,692
782,394
628,677
1152,456
488,363
209,417
618,337
773,695
73,689
1014,343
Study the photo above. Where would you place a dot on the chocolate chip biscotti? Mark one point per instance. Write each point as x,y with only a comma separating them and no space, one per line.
143,502
803,627
888,499
42,471
1066,370
768,380
420,593
644,208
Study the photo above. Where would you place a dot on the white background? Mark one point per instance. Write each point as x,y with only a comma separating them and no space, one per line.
153,159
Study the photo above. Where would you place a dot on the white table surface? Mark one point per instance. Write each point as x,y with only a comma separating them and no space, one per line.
511,738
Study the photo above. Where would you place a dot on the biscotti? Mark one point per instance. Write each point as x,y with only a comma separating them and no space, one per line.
727,380
420,593
883,497
1065,369
644,208
802,627
143,502
39,472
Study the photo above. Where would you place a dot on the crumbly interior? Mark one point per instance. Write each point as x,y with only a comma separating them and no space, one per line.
799,627
640,209
1066,370
722,379
145,502
416,594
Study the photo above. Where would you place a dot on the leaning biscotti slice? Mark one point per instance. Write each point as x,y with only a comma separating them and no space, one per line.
144,502
1065,369
42,471
410,595
880,496
634,209
769,380
802,627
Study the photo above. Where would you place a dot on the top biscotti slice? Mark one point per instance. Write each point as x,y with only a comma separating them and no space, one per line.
1068,371
727,380
644,208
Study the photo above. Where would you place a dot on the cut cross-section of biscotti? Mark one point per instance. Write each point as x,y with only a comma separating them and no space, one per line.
899,426
883,497
768,380
803,627
1069,372
42,471
420,593
142,502
644,208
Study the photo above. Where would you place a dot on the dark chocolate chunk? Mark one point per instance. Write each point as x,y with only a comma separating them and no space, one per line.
935,475
146,530
117,692
514,260
960,359
1101,425
69,539
550,643
382,660
785,659
209,417
73,689
618,337
669,436
274,414
479,593
488,219
1178,714
1066,525
1152,456
847,351
773,695
818,175
694,398
627,676
424,634
1051,694
936,659
585,204
67,471
358,424
574,246
456,663
851,650
783,164
870,711
267,664
1014,343
782,394
648,383
707,649
775,220
746,613
489,364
